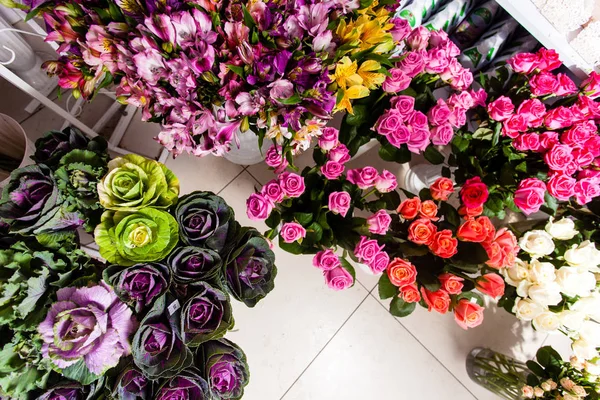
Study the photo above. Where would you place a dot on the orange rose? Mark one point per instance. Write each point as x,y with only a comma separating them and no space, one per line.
503,250
428,210
467,314
494,253
438,301
401,272
410,293
451,283
471,231
409,208
444,245
470,212
491,284
421,231
489,227
442,189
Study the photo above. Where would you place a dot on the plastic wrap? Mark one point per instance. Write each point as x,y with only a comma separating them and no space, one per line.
418,11
476,24
487,48
450,15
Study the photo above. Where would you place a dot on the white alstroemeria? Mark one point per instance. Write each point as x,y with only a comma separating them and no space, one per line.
563,229
538,243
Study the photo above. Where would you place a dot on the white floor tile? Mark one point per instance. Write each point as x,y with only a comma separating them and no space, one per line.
451,344
236,194
139,137
202,173
374,357
287,329
560,343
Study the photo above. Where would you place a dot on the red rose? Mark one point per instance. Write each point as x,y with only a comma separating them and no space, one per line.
470,212
421,231
451,283
444,245
491,284
467,314
474,193
409,208
438,301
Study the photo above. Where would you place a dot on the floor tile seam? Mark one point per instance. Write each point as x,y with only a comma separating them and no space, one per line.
324,346
38,110
231,181
425,347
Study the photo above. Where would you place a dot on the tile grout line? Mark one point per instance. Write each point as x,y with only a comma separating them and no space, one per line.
253,177
231,181
425,347
323,348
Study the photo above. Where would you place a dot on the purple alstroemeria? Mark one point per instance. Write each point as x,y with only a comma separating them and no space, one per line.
150,66
261,14
314,18
281,89
319,101
162,26
60,31
292,118
322,42
249,104
235,33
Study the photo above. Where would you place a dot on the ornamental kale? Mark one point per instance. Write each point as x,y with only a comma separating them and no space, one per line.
54,145
226,368
193,264
188,385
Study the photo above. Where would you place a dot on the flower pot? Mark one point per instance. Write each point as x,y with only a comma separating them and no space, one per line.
248,152
15,148
498,373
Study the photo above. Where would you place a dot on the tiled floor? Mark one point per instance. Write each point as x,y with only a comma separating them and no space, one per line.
306,342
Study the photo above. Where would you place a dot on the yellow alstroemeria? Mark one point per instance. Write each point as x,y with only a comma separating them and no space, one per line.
368,71
345,73
373,34
352,93
347,32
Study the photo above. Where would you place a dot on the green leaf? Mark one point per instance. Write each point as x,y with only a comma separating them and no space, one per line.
80,373
348,267
236,69
294,99
521,167
359,117
385,287
548,357
248,20
446,173
535,368
303,218
433,155
459,144
450,214
400,308
36,287
551,203
483,134
314,233
496,137
273,220
470,296
13,4
294,248
472,253
392,200
390,153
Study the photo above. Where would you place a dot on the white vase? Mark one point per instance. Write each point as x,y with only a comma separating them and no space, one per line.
248,152
14,144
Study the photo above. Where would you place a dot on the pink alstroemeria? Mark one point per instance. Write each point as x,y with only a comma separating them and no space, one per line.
249,104
150,66
60,31
314,18
162,26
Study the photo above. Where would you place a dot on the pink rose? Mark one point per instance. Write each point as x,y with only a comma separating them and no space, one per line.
527,141
588,107
442,135
559,157
589,173
339,154
274,159
548,140
534,111
559,118
405,105
418,38
586,190
385,182
364,178
566,86
458,117
396,82
339,203
462,100
548,60
454,69
439,38
419,140
379,222
529,197
292,184
543,84
437,61
399,137
389,122
292,231
578,134
593,145
401,29
480,97
501,109
412,64
326,260
439,113
514,125
379,263
591,86
582,157
338,279
329,138
417,119
272,191
463,80
332,170
366,250
258,207
524,63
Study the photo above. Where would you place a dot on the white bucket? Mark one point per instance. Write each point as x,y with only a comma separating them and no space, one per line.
15,144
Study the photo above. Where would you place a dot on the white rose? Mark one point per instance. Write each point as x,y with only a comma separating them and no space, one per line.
593,368
527,310
541,272
573,320
563,229
537,243
546,322
589,305
573,283
583,349
590,331
523,288
547,294
516,273
585,256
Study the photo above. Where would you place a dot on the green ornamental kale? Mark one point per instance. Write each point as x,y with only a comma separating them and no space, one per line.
54,145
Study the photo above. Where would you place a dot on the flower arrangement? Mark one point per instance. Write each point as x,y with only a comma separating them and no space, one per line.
553,284
537,142
207,70
152,323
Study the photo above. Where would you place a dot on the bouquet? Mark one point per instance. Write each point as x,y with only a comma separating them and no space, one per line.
151,324
207,70
536,142
554,284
